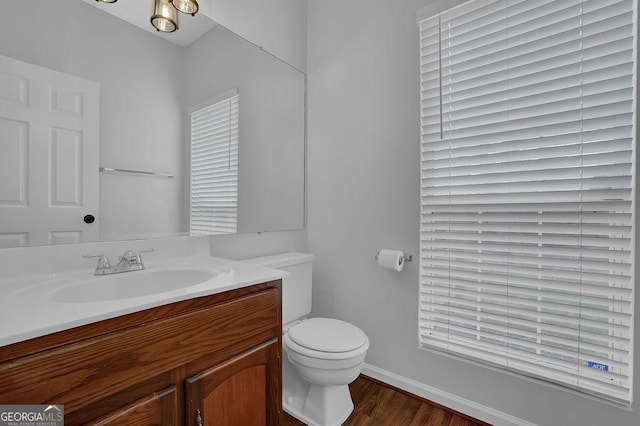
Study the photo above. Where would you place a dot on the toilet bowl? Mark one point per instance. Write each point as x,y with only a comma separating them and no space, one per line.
327,354
321,355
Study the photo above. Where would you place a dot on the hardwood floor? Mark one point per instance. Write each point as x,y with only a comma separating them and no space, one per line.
380,405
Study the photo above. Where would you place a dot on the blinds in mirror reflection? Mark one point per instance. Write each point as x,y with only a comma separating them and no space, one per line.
214,168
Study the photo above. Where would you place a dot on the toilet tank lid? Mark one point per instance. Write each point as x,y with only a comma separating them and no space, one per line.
280,260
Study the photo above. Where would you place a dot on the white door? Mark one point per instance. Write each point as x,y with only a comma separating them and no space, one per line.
49,134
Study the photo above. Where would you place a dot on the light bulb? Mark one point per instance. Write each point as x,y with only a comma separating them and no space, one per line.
165,16
186,6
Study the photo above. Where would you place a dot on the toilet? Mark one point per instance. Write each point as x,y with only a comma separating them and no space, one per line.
322,355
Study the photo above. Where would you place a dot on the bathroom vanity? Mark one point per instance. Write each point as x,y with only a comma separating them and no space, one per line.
211,360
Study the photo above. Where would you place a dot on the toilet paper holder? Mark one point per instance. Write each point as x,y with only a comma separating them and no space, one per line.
406,257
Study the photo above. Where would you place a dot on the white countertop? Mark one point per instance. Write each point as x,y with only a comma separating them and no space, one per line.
29,309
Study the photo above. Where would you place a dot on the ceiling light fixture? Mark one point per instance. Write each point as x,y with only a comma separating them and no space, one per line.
165,12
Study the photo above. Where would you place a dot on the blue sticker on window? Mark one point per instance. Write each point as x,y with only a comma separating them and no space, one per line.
603,367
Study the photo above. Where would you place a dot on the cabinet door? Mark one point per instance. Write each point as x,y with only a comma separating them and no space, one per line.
158,409
243,391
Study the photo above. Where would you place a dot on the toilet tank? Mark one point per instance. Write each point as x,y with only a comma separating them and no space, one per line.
296,288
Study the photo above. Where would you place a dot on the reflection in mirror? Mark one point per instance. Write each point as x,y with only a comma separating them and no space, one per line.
214,166
100,92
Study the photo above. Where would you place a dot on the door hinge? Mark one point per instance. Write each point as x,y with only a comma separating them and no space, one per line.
198,418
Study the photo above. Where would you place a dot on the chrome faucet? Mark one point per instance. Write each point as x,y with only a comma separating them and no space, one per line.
128,262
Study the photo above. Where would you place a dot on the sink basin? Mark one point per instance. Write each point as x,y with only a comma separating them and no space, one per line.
132,284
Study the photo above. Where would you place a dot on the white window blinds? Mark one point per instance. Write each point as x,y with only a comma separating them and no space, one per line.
214,168
527,188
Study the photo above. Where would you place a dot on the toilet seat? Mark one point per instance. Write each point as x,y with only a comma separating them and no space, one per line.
327,338
327,335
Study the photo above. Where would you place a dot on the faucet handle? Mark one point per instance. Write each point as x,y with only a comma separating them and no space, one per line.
134,258
103,262
132,255
129,256
149,250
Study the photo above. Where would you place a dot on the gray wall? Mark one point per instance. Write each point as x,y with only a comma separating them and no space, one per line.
280,26
363,195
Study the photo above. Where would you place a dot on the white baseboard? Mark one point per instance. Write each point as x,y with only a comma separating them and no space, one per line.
470,408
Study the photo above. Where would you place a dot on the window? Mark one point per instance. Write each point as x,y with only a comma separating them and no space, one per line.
527,182
214,167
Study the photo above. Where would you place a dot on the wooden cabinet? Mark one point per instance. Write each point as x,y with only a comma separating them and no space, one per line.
217,355
240,391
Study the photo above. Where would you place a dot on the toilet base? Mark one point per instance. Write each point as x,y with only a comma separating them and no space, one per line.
323,405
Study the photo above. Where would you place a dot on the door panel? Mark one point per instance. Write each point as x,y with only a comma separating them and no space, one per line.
49,147
65,168
14,163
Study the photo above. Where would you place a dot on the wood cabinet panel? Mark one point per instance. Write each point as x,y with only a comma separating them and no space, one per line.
245,390
241,398
159,409
116,401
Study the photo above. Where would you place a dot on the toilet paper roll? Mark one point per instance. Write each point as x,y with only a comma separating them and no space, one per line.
391,259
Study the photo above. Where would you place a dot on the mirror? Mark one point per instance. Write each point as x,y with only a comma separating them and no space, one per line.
141,88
